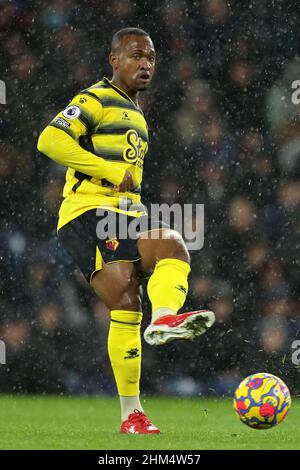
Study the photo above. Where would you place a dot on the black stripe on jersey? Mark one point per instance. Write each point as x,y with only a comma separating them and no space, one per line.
115,103
86,120
80,176
112,156
85,92
113,131
62,128
86,143
105,80
115,157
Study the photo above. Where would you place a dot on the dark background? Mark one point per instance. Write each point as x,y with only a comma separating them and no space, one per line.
224,132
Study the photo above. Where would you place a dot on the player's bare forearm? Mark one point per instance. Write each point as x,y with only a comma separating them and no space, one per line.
63,149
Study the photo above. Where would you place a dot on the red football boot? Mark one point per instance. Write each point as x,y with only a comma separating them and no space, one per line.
183,326
138,423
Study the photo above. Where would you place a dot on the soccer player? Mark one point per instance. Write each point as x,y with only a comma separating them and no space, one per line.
102,137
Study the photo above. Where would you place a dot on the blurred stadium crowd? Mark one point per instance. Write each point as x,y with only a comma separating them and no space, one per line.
224,132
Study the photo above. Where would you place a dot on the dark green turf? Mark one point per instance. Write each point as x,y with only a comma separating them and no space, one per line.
93,423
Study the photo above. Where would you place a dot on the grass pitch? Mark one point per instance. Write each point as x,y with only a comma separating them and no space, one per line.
34,422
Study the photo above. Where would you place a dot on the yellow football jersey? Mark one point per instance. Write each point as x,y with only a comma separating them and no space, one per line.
112,134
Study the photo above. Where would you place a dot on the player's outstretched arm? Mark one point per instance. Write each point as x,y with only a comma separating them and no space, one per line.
62,148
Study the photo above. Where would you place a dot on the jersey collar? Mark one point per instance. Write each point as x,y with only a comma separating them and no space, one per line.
121,92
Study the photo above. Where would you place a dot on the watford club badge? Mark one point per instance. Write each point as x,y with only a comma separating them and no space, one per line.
112,244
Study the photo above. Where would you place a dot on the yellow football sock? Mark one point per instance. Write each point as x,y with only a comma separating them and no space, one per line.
167,287
124,349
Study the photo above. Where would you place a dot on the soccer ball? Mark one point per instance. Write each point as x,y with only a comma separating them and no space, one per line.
262,401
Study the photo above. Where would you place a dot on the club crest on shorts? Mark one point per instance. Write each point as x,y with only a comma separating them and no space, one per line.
71,112
112,244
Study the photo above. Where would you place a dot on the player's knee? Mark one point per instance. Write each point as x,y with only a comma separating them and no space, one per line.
130,303
168,245
181,251
129,296
120,292
178,247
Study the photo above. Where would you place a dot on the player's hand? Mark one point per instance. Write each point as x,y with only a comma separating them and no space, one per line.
126,184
